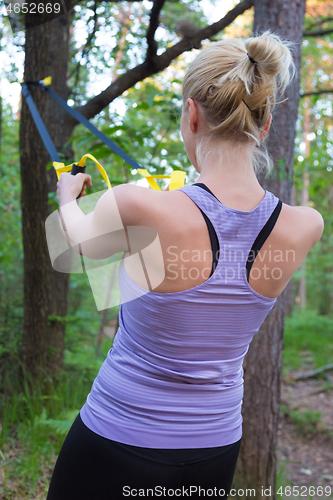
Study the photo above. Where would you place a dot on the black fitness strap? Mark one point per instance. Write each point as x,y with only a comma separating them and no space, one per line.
73,112
262,237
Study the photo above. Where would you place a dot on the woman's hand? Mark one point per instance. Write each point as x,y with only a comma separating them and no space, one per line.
69,186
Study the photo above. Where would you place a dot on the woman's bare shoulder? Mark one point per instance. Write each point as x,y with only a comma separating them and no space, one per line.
302,224
139,205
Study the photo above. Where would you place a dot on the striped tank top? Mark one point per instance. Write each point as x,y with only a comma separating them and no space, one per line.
174,375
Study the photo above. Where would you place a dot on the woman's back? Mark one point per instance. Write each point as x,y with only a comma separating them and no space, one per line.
186,244
174,376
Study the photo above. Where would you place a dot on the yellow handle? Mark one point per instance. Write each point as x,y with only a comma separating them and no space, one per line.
61,167
47,81
177,179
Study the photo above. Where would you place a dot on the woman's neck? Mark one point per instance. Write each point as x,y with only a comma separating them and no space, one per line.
229,174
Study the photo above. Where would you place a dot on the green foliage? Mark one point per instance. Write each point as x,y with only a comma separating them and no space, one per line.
306,422
148,131
11,251
35,422
315,127
60,426
62,319
307,332
176,12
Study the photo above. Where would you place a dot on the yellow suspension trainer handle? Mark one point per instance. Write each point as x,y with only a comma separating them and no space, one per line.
177,179
80,167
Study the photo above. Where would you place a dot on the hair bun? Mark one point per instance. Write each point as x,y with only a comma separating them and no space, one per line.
236,81
274,57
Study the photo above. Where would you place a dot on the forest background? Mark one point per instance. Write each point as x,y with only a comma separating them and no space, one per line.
107,38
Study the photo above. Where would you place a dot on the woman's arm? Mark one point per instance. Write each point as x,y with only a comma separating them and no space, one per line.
102,233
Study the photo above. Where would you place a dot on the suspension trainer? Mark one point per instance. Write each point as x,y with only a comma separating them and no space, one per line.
177,177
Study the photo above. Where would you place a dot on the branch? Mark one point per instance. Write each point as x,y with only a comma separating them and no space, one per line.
148,68
317,92
153,25
321,22
311,374
317,33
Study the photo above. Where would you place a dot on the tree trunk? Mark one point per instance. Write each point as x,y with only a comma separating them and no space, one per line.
46,54
256,466
60,128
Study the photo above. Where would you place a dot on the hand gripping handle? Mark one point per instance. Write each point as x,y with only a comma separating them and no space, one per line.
76,170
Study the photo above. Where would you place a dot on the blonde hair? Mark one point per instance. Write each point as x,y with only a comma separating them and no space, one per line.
238,95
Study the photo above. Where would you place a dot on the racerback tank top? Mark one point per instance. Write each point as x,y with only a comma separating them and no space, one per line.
174,375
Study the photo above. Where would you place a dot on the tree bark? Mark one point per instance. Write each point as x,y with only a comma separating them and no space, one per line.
45,291
256,466
60,130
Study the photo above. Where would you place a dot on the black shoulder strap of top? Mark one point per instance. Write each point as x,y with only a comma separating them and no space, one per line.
212,234
262,237
213,241
203,186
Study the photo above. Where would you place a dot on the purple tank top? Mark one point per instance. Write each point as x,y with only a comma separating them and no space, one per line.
174,376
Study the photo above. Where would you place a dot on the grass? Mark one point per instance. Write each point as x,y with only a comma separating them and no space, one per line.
305,422
34,424
308,341
308,344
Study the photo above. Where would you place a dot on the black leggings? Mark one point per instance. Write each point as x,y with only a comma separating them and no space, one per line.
91,467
